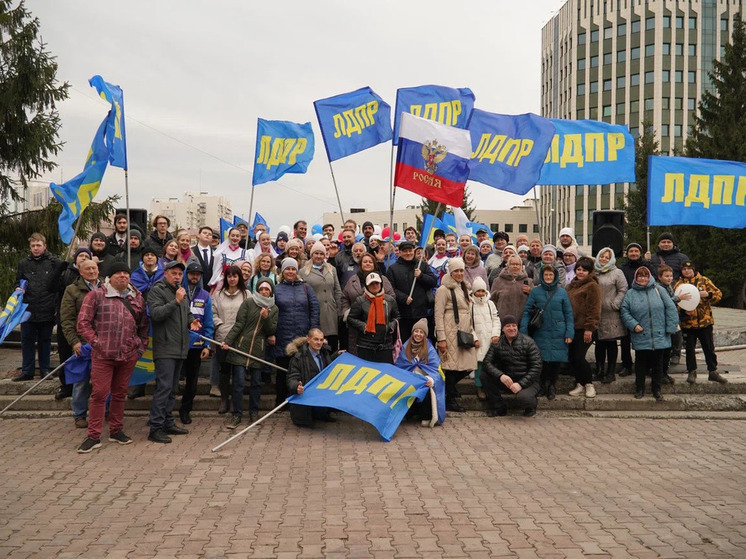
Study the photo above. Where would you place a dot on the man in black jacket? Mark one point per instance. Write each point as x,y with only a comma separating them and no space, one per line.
309,356
401,274
513,364
42,271
116,243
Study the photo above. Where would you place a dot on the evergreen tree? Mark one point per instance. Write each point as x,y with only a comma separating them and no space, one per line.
429,207
636,207
29,121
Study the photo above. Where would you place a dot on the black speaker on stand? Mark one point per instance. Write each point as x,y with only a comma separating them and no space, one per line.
608,231
138,218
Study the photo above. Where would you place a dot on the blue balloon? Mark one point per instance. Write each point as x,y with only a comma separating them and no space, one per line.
359,238
316,230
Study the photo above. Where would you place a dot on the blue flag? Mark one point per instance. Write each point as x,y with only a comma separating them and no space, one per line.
14,312
352,122
258,220
225,227
78,367
589,152
685,191
509,151
429,224
238,219
445,105
281,147
78,192
377,393
116,137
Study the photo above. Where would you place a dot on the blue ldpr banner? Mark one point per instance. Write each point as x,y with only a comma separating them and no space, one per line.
589,152
281,147
446,105
377,393
352,122
688,191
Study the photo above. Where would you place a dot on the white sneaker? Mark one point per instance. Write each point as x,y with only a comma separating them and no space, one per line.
577,391
214,391
590,390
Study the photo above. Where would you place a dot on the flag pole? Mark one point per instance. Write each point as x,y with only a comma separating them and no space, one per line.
392,197
536,207
75,234
257,422
435,215
127,206
251,202
49,374
336,191
241,353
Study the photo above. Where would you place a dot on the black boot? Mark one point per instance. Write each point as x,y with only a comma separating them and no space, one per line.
551,390
224,406
625,372
598,372
543,382
609,375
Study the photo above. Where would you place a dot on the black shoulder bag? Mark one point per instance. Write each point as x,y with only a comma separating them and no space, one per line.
464,339
536,315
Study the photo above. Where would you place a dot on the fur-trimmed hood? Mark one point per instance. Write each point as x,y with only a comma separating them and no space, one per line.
293,347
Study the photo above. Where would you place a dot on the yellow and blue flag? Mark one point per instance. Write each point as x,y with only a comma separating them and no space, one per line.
225,228
78,192
445,105
144,370
588,152
116,137
378,393
352,122
281,147
78,368
509,150
258,220
14,312
429,224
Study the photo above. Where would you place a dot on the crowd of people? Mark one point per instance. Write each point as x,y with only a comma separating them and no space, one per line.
512,316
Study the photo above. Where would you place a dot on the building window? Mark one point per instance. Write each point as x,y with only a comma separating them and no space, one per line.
649,50
594,87
666,49
724,24
536,227
649,77
607,85
594,38
691,104
581,38
581,64
593,113
621,55
692,76
634,79
607,110
635,132
692,22
679,22
678,103
634,106
508,227
634,53
608,58
666,22
666,76
678,76
608,32
665,102
649,104
620,108
650,23
621,29
722,51
664,130
581,89
677,130
636,26
679,49
580,114
621,82
495,226
523,227
692,50
594,61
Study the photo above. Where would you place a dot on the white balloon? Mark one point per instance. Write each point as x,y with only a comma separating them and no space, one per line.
692,303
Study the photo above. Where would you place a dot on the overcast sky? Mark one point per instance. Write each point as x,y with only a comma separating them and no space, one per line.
197,74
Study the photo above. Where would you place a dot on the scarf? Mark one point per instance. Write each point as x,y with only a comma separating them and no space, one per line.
264,302
376,314
610,265
234,248
185,254
416,350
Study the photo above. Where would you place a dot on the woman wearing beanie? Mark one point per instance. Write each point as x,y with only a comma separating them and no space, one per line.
100,254
511,288
473,266
585,298
486,324
322,277
253,330
570,259
650,315
298,312
453,313
610,328
419,356
628,268
557,326
549,257
373,316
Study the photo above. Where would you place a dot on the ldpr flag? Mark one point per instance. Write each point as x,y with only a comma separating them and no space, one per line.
116,137
446,105
281,147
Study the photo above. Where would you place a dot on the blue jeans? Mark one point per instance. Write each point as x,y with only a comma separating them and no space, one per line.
81,393
234,375
255,390
167,373
215,370
35,334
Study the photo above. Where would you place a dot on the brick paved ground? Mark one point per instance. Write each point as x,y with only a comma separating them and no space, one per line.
477,487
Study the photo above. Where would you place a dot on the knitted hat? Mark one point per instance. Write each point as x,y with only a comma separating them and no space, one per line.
501,235
665,237
549,248
288,263
148,250
98,235
486,242
478,284
567,231
118,266
268,281
318,246
688,264
638,246
511,247
282,236
456,264
80,251
136,233
508,319
421,324
367,224
571,250
523,248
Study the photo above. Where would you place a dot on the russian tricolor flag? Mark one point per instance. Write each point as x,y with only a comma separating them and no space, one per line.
432,160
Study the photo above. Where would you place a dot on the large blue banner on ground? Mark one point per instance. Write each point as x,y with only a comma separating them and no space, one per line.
281,147
589,152
509,150
353,121
377,393
686,191
445,105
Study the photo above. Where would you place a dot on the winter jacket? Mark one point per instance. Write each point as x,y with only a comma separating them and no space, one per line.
250,332
431,369
519,359
43,276
255,280
112,244
354,288
225,307
105,260
170,321
325,284
613,287
650,307
135,257
493,262
585,299
630,267
144,281
303,367
345,265
473,272
72,301
67,277
559,267
673,258
456,358
156,243
200,304
298,313
401,276
507,293
558,322
486,323
701,317
108,325
382,337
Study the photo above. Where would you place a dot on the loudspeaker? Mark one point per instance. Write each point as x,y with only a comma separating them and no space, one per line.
138,218
608,231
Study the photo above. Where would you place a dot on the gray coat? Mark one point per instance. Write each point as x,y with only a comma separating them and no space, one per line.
613,287
170,321
325,284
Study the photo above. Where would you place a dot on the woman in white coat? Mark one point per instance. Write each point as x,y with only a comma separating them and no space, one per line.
486,324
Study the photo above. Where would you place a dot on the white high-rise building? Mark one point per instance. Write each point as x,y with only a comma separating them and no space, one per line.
193,210
625,62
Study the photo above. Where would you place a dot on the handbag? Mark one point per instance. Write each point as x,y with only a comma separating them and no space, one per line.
463,339
536,315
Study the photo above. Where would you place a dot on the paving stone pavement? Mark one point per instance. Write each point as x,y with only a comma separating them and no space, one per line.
477,487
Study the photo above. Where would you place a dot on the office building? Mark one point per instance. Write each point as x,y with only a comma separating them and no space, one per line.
193,210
